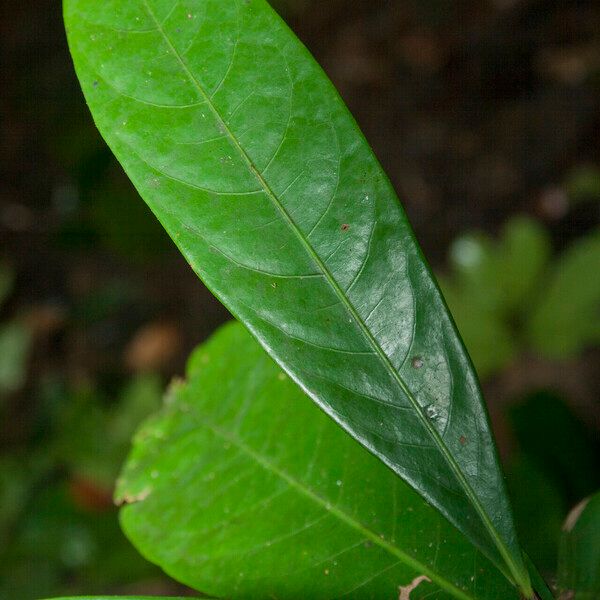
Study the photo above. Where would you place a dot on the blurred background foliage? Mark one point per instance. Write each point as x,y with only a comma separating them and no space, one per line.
485,114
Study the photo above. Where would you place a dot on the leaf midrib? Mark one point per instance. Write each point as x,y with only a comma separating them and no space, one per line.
345,301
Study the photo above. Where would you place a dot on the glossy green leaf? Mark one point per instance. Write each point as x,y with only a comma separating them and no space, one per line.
579,553
241,487
245,152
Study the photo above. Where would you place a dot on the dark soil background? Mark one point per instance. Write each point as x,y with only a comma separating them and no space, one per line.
478,111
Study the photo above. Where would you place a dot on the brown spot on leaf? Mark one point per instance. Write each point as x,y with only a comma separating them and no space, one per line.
462,440
345,227
405,590
416,362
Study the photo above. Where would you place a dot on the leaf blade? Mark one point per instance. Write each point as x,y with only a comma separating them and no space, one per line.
261,495
323,235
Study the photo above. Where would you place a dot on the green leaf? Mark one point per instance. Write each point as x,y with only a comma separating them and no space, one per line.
566,319
120,598
243,488
475,263
523,253
579,553
245,152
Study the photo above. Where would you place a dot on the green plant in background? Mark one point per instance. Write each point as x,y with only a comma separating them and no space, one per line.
508,297
583,184
557,464
240,487
15,341
580,550
56,518
267,497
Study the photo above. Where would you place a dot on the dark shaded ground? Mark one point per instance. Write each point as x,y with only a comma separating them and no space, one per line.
477,110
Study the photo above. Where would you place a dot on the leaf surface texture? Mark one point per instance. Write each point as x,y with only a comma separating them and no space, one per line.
245,152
